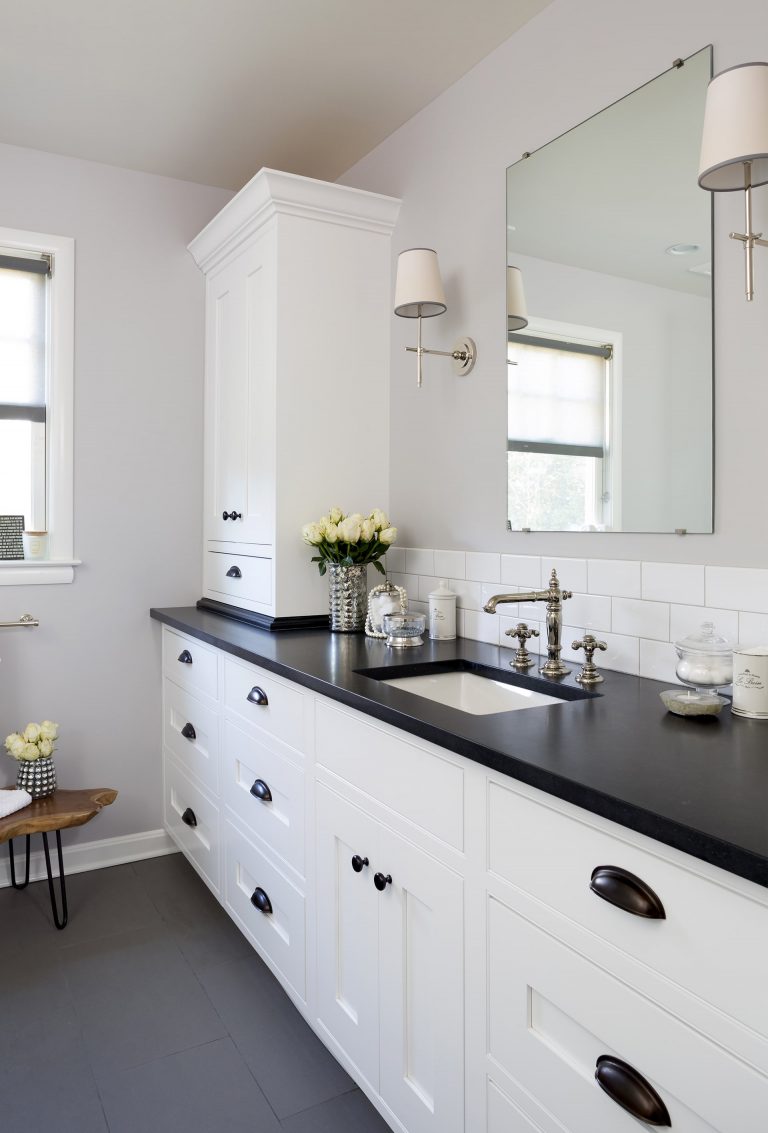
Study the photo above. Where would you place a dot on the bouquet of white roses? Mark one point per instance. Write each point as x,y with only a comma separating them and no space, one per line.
349,540
35,742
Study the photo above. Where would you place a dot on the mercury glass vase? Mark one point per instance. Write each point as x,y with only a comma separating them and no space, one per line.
38,776
348,597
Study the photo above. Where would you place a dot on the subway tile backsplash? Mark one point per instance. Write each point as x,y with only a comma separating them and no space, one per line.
638,609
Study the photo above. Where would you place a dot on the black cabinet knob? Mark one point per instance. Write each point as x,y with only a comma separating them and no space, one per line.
188,817
381,882
261,791
188,732
231,515
623,889
629,1089
185,657
257,696
234,572
261,901
358,863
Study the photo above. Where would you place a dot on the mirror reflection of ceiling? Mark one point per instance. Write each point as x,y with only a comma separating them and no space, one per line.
553,213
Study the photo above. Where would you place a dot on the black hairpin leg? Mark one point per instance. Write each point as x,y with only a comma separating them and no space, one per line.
64,914
14,883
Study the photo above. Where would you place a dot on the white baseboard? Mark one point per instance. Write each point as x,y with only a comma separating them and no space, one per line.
85,855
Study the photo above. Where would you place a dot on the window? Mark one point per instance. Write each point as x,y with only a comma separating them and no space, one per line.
36,357
560,433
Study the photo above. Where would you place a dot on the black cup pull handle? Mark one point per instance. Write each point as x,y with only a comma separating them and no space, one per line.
234,572
188,732
381,882
185,657
261,791
358,863
623,889
261,901
629,1089
188,817
257,696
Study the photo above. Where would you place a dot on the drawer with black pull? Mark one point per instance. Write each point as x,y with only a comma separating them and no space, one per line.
192,820
189,663
265,790
267,906
191,732
248,577
655,909
599,1057
264,701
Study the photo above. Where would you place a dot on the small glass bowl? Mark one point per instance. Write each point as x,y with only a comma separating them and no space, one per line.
404,630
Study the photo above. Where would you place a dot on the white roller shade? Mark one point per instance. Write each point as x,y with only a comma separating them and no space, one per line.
557,400
22,343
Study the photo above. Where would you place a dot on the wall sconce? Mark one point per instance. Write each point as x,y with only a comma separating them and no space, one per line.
734,146
517,312
419,295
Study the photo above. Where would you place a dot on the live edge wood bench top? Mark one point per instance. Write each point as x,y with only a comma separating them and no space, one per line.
57,812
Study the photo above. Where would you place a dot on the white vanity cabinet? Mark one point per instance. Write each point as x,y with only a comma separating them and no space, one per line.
297,356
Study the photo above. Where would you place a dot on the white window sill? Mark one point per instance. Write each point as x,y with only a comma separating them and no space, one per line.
45,572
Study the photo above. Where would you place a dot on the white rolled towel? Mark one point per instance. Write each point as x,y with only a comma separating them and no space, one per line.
11,801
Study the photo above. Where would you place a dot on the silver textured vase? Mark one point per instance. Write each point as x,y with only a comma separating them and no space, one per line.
38,776
348,597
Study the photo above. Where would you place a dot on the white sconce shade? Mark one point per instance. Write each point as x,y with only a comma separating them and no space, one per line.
735,129
419,288
517,312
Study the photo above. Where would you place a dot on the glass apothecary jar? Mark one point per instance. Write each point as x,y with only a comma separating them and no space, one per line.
705,664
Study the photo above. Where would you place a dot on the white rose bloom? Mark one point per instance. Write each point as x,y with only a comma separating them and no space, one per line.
349,530
11,739
32,733
16,747
323,522
367,530
49,730
31,751
46,747
388,535
331,533
356,516
336,515
312,533
380,520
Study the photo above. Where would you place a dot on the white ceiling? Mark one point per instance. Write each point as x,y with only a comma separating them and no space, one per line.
211,90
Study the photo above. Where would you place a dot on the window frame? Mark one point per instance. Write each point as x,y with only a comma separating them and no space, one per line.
59,400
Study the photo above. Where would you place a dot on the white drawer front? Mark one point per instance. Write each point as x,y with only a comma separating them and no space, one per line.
274,705
190,664
192,820
504,1116
266,792
553,1014
239,576
279,935
420,785
191,731
719,957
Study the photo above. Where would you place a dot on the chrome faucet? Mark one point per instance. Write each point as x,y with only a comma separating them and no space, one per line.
554,597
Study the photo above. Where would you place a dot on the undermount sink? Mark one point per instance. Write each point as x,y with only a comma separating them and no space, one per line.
477,689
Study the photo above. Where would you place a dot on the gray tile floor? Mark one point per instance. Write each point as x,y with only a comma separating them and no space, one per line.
150,1013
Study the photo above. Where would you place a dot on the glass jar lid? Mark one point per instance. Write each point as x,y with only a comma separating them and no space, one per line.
706,639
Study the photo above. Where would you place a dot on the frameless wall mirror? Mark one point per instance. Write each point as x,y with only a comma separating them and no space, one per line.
610,391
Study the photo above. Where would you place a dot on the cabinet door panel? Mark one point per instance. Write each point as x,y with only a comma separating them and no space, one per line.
422,989
348,931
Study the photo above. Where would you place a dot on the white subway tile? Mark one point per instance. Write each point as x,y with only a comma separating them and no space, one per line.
426,585
643,619
482,566
468,594
687,619
419,561
658,660
420,608
409,581
753,629
673,582
738,588
568,653
592,612
534,644
619,577
622,654
450,564
571,573
395,559
481,627
521,570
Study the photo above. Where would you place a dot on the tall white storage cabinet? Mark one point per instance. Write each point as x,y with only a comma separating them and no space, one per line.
296,382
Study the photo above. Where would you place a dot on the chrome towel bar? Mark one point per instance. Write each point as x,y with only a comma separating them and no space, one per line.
24,620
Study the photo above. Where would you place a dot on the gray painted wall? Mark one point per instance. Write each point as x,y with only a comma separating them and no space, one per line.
93,665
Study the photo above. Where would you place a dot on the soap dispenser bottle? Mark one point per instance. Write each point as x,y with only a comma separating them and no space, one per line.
442,613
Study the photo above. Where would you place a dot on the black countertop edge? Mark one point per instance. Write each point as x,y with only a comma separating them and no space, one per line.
708,847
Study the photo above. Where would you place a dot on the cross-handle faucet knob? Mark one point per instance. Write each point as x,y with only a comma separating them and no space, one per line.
522,658
589,674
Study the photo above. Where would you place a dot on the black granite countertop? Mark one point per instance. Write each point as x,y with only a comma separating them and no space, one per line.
698,784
